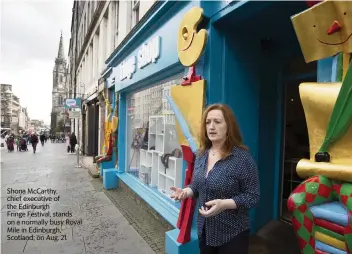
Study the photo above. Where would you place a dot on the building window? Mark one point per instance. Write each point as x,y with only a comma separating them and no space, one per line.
105,32
85,25
135,12
151,133
115,25
89,17
61,101
117,16
92,9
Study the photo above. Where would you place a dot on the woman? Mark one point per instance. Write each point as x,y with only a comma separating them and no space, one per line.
68,143
34,141
225,179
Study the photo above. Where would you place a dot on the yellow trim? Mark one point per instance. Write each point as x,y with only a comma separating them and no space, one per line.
330,240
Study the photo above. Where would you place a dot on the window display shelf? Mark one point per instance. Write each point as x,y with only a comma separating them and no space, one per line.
148,167
162,139
171,176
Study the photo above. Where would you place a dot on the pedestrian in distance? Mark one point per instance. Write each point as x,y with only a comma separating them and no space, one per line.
17,142
10,141
73,142
34,141
68,143
225,181
42,138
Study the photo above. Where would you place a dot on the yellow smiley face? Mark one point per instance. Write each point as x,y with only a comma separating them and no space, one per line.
191,42
325,29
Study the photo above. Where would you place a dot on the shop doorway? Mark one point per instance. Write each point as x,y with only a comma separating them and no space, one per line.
295,133
93,128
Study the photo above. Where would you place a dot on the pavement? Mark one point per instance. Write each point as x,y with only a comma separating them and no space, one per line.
90,222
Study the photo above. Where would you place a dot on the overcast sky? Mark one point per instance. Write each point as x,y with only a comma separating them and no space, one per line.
30,34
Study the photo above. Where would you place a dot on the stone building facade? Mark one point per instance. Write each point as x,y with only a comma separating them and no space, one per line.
14,117
97,30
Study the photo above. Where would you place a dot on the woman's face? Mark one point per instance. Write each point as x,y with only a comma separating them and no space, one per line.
216,126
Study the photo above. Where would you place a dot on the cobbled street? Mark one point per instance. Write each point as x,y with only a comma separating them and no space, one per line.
96,225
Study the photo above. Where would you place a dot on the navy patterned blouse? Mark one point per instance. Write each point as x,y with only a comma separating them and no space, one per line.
235,177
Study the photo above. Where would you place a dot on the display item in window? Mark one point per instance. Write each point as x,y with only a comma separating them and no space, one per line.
139,138
165,157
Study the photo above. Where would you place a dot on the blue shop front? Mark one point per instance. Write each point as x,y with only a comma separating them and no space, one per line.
252,62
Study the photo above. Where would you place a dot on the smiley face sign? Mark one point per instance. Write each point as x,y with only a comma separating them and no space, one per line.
191,42
325,29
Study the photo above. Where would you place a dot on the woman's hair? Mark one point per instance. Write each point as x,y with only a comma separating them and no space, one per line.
233,137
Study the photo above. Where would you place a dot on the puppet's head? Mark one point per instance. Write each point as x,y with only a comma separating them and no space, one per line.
191,40
325,29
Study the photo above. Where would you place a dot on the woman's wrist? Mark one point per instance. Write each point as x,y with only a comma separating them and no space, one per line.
228,204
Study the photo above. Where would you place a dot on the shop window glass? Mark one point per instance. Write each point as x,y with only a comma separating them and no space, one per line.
153,153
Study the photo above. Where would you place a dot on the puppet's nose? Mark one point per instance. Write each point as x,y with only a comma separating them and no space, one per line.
334,28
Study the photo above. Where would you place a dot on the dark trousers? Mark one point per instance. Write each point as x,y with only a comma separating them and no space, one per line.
72,148
34,145
238,245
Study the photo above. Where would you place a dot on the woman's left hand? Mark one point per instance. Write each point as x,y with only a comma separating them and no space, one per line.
212,208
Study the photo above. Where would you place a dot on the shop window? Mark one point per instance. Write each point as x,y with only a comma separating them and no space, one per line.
153,153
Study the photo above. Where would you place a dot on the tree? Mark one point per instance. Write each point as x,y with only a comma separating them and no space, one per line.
60,126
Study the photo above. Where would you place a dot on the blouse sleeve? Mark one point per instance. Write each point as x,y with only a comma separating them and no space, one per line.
249,186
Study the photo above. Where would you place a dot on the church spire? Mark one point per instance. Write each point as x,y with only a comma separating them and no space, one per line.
60,54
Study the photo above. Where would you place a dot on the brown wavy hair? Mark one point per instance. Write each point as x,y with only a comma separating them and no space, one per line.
234,136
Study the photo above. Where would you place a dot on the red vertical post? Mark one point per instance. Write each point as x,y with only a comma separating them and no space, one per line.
185,217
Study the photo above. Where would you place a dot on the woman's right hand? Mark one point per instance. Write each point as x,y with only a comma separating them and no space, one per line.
178,193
